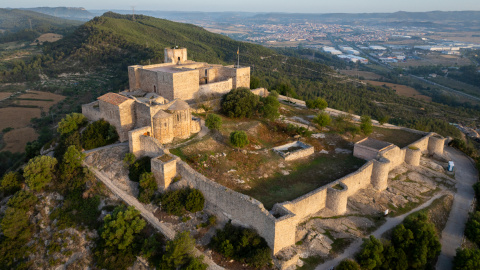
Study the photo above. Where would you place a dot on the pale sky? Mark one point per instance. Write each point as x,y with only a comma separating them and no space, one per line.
301,6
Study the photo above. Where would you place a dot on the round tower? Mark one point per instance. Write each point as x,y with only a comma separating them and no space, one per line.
436,144
380,172
337,198
412,156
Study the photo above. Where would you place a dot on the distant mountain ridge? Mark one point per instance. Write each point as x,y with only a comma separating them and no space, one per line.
14,20
71,13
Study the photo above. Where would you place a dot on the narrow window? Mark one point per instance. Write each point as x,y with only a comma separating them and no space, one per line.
155,89
179,59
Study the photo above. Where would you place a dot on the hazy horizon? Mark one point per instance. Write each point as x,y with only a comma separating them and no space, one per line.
282,6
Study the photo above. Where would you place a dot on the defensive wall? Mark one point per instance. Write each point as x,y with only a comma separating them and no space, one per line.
278,226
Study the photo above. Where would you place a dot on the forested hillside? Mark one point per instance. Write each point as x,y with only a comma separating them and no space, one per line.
115,41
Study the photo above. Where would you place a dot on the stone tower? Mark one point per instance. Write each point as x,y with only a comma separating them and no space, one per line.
175,55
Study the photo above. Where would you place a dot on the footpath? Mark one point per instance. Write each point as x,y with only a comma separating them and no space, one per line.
147,215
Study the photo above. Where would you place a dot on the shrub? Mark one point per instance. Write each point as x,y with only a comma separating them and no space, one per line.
472,228
384,119
194,201
322,120
23,200
243,245
66,141
119,228
466,259
239,103
239,139
39,172
270,107
98,134
148,186
140,166
11,183
213,121
348,264
178,254
318,103
129,159
176,202
72,122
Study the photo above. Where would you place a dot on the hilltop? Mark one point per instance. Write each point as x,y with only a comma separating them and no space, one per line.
71,13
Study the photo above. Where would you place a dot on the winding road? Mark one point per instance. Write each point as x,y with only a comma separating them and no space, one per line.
452,236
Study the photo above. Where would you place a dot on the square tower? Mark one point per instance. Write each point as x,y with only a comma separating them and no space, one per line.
175,55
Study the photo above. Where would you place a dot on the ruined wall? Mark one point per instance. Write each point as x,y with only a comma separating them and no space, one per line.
421,144
363,152
185,85
195,125
307,150
216,88
164,171
260,92
241,209
358,179
307,204
395,155
150,146
92,111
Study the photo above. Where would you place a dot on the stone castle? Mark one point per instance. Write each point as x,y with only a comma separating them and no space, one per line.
157,99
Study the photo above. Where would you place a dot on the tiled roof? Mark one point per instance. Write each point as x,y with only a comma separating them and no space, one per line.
179,105
113,98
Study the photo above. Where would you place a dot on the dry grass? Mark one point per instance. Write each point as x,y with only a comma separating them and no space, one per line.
402,90
44,100
17,139
4,95
436,59
17,117
49,37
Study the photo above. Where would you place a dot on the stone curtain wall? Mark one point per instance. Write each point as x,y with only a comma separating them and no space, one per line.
185,85
216,88
242,209
92,111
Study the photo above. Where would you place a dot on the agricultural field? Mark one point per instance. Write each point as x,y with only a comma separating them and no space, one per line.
48,37
436,59
402,90
367,75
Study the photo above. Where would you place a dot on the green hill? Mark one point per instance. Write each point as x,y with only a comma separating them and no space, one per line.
112,42
14,20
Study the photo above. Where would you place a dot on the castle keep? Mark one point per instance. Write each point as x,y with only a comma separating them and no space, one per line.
180,78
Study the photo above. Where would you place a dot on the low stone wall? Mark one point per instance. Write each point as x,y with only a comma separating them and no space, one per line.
358,179
292,100
216,88
261,92
195,125
422,143
307,150
395,155
92,111
242,209
151,147
134,142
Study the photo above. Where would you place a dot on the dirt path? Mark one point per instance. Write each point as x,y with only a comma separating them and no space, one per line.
147,215
452,236
391,223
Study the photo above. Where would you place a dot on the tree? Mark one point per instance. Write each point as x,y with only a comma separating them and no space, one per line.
318,103
270,106
348,264
71,170
239,139
370,256
119,229
11,183
254,82
322,120
239,103
148,186
366,125
72,122
39,172
179,250
129,159
384,119
194,201
472,229
97,134
213,121
15,224
466,259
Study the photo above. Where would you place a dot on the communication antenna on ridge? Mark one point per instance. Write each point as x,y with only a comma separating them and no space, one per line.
133,13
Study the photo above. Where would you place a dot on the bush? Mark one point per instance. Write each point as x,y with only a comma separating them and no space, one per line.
139,167
11,183
348,264
177,201
119,228
213,121
243,245
239,103
39,172
322,120
194,201
239,139
72,122
66,141
129,159
148,186
270,106
472,228
318,103
98,134
467,259
179,254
